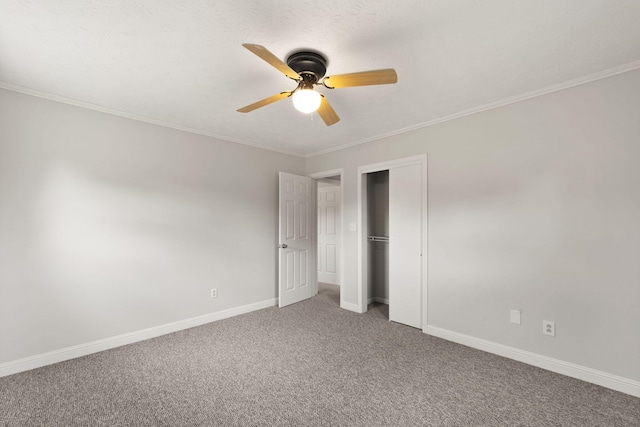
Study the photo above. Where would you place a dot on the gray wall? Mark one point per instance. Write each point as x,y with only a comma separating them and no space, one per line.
534,206
109,225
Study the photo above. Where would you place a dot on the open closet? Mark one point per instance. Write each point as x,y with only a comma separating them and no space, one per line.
393,220
378,236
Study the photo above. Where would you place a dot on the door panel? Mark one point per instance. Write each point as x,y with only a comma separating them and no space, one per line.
405,245
330,220
290,268
290,221
296,239
331,259
303,232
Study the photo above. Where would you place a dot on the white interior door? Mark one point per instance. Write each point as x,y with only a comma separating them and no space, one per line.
296,258
328,233
405,245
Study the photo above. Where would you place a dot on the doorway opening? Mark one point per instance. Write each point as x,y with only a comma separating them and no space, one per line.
329,236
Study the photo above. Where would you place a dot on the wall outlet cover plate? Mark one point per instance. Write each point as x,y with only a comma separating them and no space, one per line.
514,316
549,328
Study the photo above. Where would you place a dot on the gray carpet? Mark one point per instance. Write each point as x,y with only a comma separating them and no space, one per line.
310,364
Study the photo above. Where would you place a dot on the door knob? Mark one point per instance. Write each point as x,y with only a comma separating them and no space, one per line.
283,246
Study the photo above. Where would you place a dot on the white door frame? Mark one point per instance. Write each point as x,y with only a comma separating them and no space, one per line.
363,249
327,174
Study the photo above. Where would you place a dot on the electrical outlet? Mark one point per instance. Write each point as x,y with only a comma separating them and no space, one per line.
214,293
549,328
515,316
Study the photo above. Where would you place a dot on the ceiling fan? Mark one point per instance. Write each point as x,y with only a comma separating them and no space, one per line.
308,69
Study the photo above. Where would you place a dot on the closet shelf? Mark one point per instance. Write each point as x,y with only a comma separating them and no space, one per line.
378,238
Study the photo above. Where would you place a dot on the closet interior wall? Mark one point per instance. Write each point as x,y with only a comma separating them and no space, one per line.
378,226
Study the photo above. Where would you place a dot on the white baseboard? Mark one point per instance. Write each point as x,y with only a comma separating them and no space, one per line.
593,376
61,355
350,307
356,309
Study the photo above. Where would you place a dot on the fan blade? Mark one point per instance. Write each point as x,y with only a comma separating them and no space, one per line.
327,113
264,102
273,60
363,78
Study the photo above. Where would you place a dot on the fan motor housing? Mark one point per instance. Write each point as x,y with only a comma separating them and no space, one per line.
310,65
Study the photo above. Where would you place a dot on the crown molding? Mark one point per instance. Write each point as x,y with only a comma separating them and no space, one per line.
632,66
114,112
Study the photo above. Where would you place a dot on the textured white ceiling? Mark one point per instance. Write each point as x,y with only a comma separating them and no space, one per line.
181,63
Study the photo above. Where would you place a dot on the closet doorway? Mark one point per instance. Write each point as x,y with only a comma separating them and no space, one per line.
392,238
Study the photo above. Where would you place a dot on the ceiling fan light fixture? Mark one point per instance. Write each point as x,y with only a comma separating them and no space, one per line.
306,100
308,68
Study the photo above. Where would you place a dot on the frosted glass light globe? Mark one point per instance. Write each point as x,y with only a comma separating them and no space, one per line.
306,100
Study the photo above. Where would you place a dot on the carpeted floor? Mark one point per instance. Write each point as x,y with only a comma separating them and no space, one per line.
310,364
